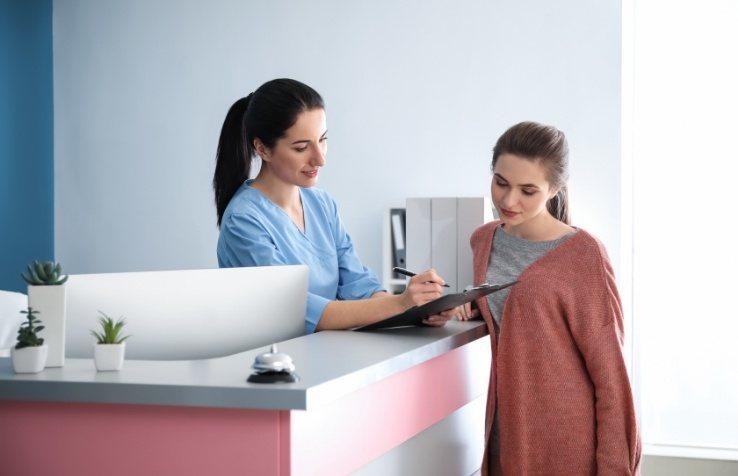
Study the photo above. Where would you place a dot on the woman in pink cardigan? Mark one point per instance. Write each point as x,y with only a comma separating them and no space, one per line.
559,398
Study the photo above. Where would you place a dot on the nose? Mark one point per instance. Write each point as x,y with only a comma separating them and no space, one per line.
318,158
509,199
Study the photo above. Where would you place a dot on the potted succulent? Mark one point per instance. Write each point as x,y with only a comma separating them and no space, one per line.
111,347
29,354
47,294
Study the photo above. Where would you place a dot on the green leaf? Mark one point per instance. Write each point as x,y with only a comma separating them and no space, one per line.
36,267
27,336
36,278
111,328
27,278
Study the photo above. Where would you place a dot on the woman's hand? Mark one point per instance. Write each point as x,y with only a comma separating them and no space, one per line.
422,288
439,320
467,311
425,287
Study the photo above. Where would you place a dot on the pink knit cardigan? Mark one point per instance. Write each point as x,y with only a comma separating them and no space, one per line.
558,373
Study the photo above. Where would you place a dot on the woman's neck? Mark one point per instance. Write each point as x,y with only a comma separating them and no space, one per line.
285,196
544,227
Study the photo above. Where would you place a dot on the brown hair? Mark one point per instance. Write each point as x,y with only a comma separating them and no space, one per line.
547,145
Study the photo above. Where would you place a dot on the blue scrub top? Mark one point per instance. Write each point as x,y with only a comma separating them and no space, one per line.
254,231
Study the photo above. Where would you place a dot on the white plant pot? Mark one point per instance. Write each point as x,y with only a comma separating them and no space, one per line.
29,359
50,302
109,356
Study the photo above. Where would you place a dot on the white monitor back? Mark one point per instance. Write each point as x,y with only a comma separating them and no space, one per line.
191,314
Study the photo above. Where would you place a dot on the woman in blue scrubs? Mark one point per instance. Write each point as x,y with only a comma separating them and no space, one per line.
280,218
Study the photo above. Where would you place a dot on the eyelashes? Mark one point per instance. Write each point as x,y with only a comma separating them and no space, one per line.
526,192
304,148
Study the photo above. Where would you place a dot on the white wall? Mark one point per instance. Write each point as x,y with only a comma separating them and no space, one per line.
416,92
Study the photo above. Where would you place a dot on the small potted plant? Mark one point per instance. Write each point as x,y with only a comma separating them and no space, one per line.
29,354
48,294
46,273
111,347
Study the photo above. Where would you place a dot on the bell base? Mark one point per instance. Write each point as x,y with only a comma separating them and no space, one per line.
272,377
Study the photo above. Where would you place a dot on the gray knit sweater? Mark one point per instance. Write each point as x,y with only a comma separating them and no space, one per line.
510,257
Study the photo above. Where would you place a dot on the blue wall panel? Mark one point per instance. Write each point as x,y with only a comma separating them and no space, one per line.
26,138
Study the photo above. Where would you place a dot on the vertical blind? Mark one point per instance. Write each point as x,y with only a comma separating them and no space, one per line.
684,125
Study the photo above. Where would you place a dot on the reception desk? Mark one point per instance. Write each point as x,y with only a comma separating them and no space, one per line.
363,398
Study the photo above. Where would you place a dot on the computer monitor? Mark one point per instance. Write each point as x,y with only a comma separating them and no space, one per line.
190,314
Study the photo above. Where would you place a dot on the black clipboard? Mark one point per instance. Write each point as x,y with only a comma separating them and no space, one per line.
415,315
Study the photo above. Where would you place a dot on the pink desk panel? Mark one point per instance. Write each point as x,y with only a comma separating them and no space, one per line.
79,439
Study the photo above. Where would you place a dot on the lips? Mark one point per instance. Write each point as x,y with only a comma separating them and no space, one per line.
311,173
508,213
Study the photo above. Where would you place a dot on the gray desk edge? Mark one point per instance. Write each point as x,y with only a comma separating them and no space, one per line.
330,365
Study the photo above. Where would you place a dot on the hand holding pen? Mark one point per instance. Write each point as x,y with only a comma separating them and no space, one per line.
405,272
422,288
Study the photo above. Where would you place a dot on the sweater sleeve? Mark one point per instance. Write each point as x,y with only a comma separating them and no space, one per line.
597,325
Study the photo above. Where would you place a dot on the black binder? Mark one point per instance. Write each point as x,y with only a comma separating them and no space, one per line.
415,315
397,227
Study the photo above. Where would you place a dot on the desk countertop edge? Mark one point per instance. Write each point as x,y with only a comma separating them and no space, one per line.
329,365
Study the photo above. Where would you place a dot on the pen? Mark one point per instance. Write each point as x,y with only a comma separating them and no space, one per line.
410,273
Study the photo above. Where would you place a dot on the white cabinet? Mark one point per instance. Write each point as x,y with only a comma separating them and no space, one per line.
438,231
437,236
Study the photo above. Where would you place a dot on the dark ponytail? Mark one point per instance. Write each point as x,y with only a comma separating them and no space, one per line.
546,144
233,159
264,114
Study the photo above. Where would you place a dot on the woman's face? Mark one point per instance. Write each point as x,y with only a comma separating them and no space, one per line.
297,157
520,190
